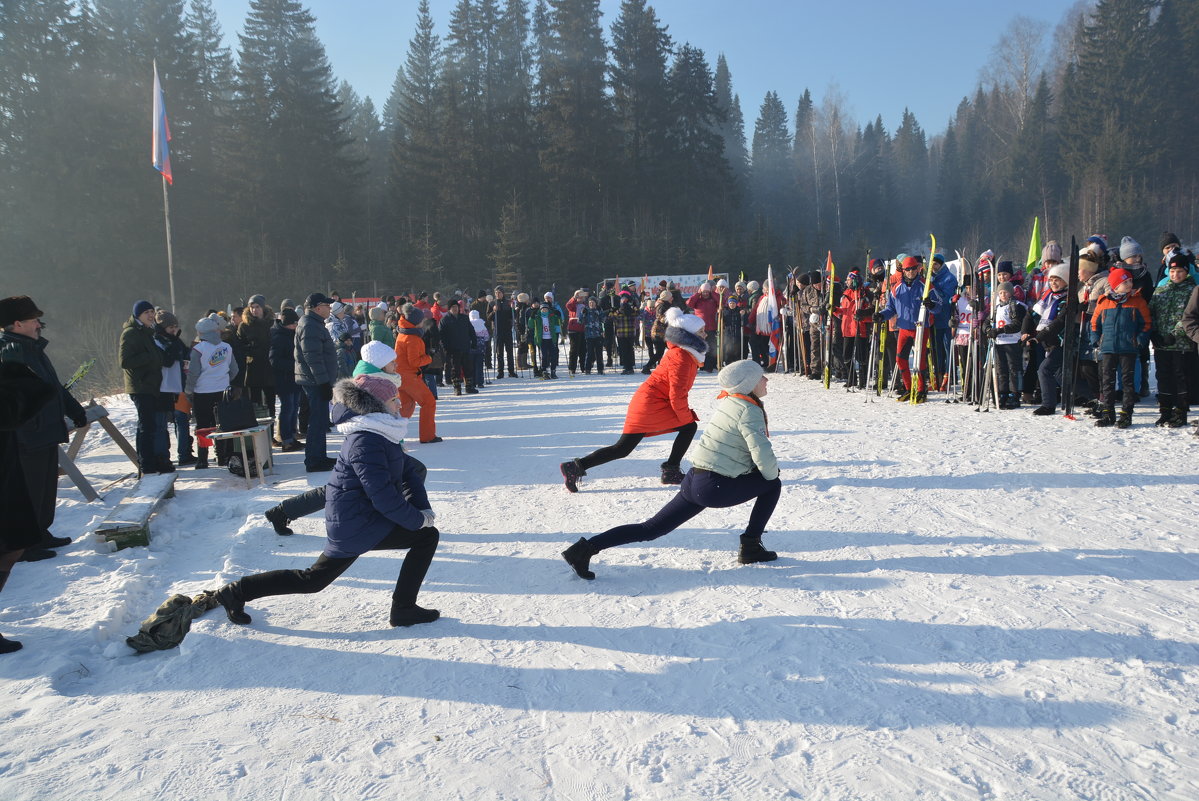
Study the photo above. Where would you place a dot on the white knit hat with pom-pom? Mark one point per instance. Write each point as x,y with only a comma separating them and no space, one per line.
688,322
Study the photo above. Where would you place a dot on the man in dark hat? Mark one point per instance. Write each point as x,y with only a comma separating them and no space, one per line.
315,372
499,317
38,439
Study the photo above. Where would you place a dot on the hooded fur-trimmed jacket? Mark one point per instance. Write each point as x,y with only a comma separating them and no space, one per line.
661,404
365,497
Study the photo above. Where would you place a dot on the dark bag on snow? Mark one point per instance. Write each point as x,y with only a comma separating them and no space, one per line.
235,415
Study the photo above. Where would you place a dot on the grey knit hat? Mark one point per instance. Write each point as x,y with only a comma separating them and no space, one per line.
259,299
740,377
1129,247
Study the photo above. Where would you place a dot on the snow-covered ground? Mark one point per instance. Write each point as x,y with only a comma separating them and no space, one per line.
966,606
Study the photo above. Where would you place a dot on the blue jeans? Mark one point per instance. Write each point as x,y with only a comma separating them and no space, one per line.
315,452
183,434
701,489
289,413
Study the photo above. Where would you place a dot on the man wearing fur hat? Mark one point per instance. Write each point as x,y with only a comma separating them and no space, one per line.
659,406
38,438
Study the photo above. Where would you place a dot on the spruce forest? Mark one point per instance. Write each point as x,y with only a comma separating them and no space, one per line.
534,143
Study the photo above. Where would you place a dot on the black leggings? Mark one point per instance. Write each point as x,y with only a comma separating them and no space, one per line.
701,489
624,446
421,546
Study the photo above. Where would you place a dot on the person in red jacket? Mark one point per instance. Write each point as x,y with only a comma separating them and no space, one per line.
411,358
706,306
659,406
855,313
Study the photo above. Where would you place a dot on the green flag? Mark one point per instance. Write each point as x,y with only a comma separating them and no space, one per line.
1034,247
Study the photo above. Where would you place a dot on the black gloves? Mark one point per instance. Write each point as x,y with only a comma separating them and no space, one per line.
976,304
930,304
1046,339
327,392
877,317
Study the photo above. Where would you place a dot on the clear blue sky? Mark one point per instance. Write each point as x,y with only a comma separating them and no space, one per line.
882,55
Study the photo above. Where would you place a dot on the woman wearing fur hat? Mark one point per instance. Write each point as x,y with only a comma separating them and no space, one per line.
375,500
255,335
732,464
411,356
659,406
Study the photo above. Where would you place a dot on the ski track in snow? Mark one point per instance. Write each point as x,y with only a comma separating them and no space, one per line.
966,606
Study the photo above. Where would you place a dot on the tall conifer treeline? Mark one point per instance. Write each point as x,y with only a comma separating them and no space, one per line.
533,141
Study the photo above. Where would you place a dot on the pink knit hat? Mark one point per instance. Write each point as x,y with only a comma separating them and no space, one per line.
380,388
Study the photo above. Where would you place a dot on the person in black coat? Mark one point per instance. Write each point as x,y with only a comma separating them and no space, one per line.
39,438
499,316
458,340
23,397
282,358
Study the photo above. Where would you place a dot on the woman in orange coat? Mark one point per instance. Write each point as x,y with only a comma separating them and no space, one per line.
410,358
659,405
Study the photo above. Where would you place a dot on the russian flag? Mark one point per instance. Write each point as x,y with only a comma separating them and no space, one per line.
160,133
772,315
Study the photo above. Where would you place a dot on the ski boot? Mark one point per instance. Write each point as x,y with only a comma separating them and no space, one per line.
1107,417
1124,419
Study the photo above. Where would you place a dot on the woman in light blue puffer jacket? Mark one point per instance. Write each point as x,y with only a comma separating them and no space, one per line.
732,464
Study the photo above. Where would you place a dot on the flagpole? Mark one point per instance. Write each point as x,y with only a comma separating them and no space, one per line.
166,215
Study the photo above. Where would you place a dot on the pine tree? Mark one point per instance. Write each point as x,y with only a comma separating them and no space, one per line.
416,151
575,120
640,49
771,172
296,177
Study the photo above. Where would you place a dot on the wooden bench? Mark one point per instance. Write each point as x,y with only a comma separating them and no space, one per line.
129,523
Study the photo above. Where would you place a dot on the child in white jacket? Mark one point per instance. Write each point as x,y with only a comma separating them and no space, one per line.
732,464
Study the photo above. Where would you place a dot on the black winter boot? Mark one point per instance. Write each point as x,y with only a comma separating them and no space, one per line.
752,551
1124,419
8,646
1165,413
202,459
235,606
1179,420
572,471
578,556
671,474
1107,417
278,520
412,615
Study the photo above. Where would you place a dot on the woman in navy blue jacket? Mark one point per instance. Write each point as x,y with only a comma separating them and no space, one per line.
375,500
